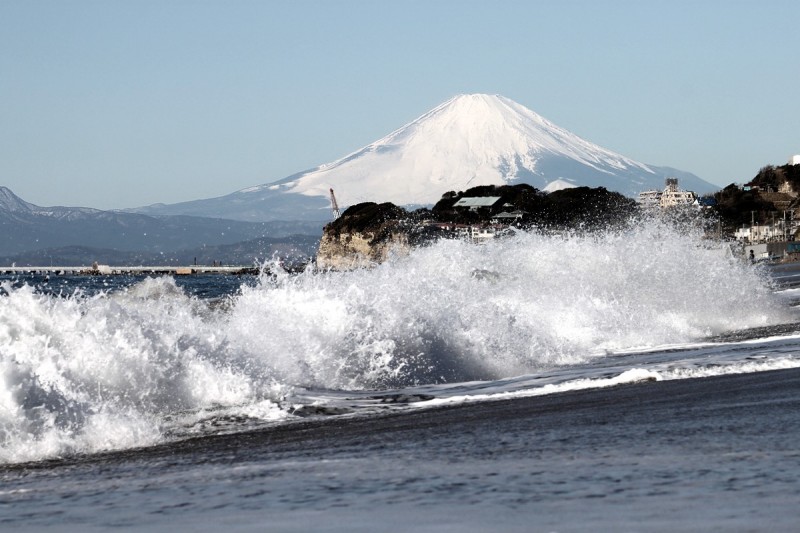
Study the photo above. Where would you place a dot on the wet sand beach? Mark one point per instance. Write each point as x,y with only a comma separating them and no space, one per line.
717,453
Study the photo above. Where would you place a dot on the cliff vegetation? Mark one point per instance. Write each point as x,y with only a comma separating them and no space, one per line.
369,232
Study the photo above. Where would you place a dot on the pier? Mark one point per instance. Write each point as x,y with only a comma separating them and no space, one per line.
107,270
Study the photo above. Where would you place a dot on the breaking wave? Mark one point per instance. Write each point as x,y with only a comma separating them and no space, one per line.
114,370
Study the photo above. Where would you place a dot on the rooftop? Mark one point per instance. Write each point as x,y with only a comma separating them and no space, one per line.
480,201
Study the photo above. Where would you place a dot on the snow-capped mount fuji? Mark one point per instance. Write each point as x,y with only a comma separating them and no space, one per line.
469,140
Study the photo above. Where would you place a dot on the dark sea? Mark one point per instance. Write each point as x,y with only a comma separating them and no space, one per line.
646,380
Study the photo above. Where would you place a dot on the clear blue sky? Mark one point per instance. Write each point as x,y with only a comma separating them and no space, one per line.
120,104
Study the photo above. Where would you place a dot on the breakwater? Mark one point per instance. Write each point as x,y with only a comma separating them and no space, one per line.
107,270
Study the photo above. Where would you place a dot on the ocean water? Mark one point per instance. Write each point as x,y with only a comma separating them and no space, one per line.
532,383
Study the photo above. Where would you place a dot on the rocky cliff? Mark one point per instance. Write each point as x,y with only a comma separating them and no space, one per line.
358,250
365,234
368,233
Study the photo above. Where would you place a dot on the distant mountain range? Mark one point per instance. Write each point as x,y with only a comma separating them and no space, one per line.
292,249
470,140
30,234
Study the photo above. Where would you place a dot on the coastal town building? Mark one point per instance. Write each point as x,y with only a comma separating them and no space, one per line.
782,227
481,232
761,233
671,196
477,233
787,188
650,199
474,203
508,217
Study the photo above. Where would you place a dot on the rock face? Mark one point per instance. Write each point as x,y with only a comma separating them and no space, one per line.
358,250
366,234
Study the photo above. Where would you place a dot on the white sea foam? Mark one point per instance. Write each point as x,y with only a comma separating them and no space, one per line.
88,374
82,374
456,312
633,375
741,367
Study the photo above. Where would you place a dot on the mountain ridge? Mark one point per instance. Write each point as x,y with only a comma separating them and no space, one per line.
468,140
26,228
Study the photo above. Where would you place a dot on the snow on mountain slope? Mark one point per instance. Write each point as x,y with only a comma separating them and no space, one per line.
12,203
75,231
558,185
473,139
469,140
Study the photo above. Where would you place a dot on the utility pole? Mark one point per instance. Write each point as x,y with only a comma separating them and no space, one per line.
784,225
772,230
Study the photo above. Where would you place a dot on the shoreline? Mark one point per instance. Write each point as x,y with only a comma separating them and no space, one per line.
551,409
700,454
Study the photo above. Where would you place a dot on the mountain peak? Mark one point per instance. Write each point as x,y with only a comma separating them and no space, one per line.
10,202
471,139
468,140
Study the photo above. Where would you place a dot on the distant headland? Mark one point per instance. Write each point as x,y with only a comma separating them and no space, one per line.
367,233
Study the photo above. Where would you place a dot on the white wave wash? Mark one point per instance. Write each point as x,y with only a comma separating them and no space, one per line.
634,375
84,374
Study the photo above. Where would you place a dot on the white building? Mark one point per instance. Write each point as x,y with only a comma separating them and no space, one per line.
650,199
794,160
671,196
476,233
508,217
482,233
761,232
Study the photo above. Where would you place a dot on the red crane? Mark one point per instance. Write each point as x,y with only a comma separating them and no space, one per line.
334,206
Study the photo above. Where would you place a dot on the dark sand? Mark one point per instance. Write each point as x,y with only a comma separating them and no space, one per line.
719,453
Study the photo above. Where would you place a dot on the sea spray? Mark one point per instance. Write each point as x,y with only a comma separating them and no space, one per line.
455,311
82,373
88,374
